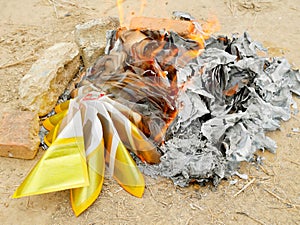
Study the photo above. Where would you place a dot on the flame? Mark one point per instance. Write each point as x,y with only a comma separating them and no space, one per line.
160,137
208,28
231,91
124,20
199,36
212,25
143,4
152,60
121,12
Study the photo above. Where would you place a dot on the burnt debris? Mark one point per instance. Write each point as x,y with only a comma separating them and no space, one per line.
207,112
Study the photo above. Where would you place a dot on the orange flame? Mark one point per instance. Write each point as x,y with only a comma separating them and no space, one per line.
124,20
212,25
121,12
199,36
143,4
208,28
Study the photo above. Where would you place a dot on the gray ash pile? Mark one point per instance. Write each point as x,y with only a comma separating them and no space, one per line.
232,99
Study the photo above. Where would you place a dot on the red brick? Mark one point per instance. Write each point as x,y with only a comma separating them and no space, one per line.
181,27
19,134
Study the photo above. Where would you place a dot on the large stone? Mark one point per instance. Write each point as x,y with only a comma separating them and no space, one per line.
19,134
48,78
91,37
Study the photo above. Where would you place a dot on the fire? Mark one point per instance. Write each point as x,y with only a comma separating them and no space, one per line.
157,55
143,4
199,36
121,13
208,28
124,20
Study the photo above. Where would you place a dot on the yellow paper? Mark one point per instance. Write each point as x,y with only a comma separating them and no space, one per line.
127,174
51,136
62,107
63,166
132,138
132,116
52,121
82,198
118,158
87,134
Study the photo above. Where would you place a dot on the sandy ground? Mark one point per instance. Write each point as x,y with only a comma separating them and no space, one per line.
29,26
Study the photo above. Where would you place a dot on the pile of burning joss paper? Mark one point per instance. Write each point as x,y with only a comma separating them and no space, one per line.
187,110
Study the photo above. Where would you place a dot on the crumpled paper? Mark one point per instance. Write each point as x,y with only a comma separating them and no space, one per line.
233,96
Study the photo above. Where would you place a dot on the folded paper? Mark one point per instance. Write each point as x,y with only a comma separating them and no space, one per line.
88,134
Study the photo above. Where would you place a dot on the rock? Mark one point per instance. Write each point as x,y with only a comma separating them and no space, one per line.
91,37
19,134
48,78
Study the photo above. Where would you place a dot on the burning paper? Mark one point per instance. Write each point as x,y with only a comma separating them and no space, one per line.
221,100
205,102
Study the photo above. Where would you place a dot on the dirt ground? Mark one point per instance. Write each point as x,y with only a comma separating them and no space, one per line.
273,197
